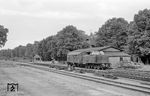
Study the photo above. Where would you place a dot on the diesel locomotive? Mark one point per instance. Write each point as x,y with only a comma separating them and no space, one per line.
88,59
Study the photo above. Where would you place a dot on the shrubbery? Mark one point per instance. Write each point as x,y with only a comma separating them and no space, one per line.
113,73
132,74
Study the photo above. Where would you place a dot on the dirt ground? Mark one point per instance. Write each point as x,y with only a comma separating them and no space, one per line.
35,82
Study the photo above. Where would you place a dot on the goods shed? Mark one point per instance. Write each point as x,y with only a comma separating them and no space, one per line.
115,56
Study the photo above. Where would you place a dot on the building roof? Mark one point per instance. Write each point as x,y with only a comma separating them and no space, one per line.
74,53
116,54
92,49
111,51
37,56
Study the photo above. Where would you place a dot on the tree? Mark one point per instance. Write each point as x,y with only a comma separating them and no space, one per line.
42,49
113,33
29,51
51,47
139,35
92,40
3,35
47,48
35,47
69,39
6,54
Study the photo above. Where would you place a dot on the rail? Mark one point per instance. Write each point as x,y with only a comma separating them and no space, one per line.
139,88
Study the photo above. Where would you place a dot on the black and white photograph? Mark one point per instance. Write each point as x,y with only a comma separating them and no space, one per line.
74,47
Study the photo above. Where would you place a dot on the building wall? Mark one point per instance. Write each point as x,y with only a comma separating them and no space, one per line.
126,58
136,58
114,61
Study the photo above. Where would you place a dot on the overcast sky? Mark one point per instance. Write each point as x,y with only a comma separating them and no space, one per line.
33,20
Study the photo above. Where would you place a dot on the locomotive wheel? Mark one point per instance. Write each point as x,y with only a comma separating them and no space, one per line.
95,67
98,67
92,66
86,66
89,66
107,66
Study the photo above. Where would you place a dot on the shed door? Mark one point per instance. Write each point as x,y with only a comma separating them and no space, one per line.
114,61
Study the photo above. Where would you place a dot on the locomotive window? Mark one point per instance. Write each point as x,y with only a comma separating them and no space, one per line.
88,53
121,58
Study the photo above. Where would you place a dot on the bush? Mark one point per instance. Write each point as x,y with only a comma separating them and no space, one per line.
105,74
80,71
130,65
110,76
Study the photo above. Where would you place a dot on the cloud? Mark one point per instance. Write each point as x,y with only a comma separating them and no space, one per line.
11,12
45,14
59,9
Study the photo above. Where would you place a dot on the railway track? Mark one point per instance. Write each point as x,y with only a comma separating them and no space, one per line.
129,86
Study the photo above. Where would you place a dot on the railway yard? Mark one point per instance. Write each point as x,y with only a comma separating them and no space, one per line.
66,48
35,80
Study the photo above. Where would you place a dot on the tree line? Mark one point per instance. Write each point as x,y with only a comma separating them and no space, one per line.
131,37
